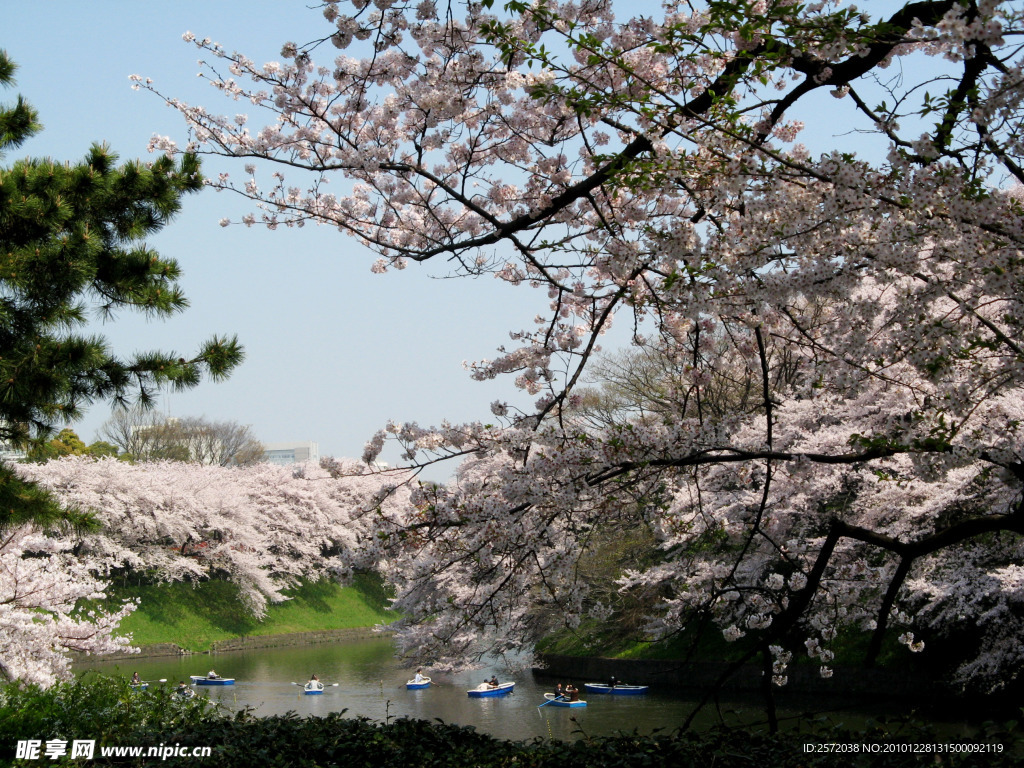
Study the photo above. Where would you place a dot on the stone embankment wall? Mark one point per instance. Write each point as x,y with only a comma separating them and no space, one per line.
294,638
253,641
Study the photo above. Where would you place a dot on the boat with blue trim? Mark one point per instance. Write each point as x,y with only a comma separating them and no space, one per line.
207,680
561,701
486,689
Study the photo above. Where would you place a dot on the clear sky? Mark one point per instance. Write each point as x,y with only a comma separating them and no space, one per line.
333,351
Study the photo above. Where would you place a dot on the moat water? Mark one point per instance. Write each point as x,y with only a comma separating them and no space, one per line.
364,679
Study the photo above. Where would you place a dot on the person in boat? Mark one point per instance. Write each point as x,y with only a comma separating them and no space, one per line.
571,692
559,693
419,678
182,689
212,675
493,682
314,679
135,678
613,682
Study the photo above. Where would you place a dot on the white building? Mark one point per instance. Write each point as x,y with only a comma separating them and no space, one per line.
9,451
291,453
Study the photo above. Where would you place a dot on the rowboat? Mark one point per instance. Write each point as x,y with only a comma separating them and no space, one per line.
616,690
561,701
415,685
139,686
313,687
203,680
185,694
486,689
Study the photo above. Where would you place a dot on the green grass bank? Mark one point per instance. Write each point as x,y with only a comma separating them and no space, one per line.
194,616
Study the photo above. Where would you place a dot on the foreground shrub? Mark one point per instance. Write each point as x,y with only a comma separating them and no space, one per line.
109,712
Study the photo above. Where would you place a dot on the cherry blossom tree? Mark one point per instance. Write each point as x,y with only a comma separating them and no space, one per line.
44,590
263,526
648,169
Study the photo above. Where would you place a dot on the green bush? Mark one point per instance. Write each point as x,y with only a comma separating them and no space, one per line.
110,712
94,707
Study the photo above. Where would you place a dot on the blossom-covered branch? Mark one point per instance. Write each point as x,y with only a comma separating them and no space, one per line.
833,439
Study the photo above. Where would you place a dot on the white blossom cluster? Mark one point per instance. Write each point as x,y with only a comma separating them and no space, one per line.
264,527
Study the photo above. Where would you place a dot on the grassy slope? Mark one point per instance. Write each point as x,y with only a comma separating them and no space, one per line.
195,616
604,640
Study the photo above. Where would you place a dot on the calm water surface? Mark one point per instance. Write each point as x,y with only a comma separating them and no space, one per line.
371,683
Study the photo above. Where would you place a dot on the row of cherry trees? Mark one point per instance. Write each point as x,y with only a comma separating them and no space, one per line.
647,168
264,527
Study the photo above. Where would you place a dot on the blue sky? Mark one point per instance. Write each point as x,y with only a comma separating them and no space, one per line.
333,351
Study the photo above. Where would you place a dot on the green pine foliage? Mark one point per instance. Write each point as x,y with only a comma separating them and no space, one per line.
72,247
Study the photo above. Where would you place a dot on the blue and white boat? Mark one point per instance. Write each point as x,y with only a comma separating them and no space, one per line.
486,689
205,680
561,701
313,688
415,685
616,690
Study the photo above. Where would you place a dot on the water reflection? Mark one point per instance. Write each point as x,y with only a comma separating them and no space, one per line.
364,679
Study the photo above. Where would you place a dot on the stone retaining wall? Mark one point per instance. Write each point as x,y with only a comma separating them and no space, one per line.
293,638
157,649
252,641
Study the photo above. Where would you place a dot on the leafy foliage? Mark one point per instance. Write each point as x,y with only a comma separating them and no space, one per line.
143,436
68,443
110,712
72,239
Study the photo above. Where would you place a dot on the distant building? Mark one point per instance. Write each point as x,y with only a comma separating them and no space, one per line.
9,451
290,453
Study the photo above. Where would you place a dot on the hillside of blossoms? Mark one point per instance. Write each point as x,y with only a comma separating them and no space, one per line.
263,527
